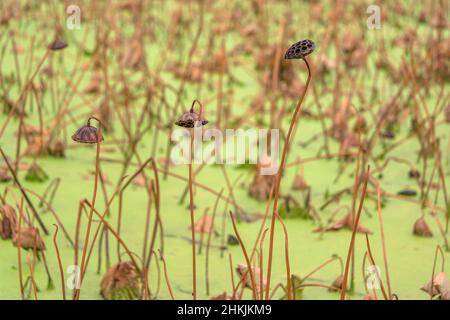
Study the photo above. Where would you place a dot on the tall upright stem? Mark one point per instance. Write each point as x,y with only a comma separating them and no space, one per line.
286,253
191,207
383,241
61,271
191,204
295,117
91,211
247,260
19,255
352,241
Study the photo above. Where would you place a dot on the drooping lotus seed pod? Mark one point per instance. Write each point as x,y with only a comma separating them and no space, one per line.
86,134
191,118
57,44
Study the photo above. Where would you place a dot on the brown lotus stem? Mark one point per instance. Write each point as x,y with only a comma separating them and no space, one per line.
230,260
249,265
19,255
369,251
166,275
352,241
296,116
30,204
208,241
438,249
286,249
261,264
23,93
383,241
61,271
191,205
33,282
191,208
322,266
91,213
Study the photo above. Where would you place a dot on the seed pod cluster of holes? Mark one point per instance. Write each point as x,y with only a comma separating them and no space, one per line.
300,49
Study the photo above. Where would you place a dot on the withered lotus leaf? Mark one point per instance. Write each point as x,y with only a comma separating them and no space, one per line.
242,271
421,228
8,221
28,237
439,286
120,282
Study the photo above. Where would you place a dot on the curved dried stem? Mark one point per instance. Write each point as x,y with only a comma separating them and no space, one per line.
249,265
208,242
286,253
91,212
383,241
33,282
230,260
30,204
438,249
55,215
352,241
166,275
261,263
192,217
322,265
296,116
61,271
369,251
19,255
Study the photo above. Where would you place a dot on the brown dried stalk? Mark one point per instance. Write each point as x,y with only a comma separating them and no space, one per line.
94,197
61,271
30,204
296,116
383,241
249,265
166,275
352,241
286,252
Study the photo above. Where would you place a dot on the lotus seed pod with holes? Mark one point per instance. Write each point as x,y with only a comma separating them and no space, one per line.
300,49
